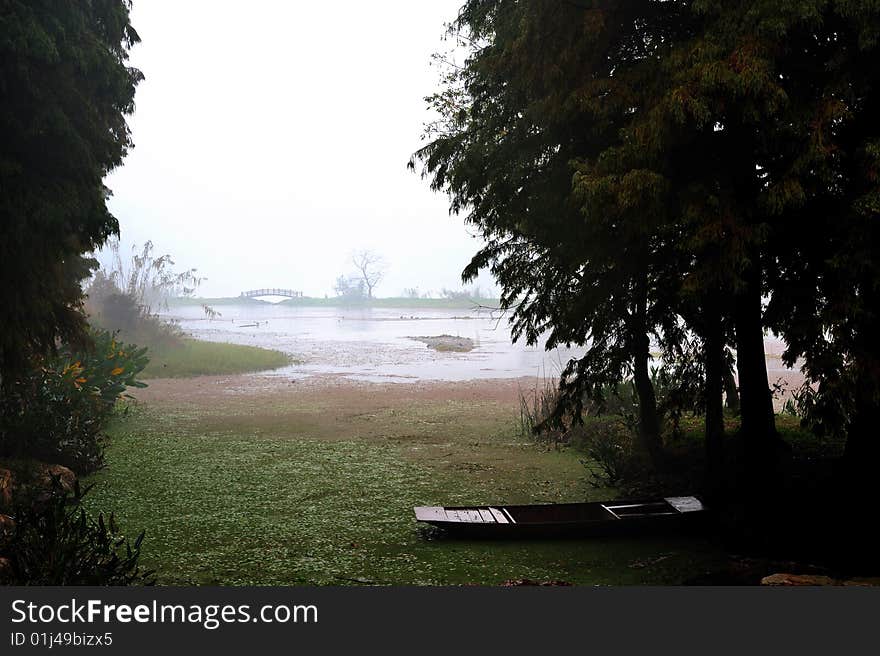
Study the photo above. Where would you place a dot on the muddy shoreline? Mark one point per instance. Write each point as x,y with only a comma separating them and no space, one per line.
340,389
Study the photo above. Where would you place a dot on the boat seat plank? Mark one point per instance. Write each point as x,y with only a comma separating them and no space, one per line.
453,516
499,516
487,516
470,515
609,509
430,513
685,504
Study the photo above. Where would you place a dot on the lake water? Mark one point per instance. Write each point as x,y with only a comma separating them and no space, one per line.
374,344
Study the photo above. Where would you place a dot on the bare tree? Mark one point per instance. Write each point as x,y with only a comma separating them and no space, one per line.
371,268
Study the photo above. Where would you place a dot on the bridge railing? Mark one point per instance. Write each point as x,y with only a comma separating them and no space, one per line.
274,291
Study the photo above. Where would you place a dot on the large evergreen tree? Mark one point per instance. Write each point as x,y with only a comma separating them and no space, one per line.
65,90
543,97
641,168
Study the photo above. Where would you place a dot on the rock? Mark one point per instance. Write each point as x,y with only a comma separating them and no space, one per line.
867,581
5,570
65,477
30,480
799,579
7,483
7,526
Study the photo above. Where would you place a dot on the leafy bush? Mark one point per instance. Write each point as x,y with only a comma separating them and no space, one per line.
58,411
55,542
609,443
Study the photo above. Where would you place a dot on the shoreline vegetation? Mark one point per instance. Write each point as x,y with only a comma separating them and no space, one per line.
192,357
335,301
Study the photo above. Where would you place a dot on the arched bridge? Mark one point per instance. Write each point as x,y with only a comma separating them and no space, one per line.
274,291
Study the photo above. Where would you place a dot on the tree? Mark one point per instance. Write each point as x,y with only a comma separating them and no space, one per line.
125,293
540,101
370,267
826,278
350,288
638,171
148,279
65,92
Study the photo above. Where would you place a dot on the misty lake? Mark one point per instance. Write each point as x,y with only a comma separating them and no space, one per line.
376,345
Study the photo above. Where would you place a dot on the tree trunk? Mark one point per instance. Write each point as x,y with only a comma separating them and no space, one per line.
862,452
756,400
649,420
731,393
758,425
715,368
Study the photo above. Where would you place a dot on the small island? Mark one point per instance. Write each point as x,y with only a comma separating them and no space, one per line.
447,343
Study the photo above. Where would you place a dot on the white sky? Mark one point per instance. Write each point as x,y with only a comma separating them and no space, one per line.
271,140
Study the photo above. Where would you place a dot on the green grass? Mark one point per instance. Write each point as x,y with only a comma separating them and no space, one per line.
277,505
198,358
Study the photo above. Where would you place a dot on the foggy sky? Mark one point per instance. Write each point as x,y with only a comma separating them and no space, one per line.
271,139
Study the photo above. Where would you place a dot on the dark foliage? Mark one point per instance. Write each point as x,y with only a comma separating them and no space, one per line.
55,542
65,90
57,411
651,172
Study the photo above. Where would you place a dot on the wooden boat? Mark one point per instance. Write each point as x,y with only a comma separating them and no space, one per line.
564,519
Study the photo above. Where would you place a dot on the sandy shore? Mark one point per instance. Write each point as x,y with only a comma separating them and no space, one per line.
330,387
341,391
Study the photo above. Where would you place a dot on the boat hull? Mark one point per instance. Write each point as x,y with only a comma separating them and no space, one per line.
566,520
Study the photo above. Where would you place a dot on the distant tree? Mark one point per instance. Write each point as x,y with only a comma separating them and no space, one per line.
370,267
411,292
471,294
350,288
65,92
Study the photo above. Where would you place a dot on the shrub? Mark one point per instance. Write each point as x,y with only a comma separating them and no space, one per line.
605,434
57,412
55,542
609,443
535,409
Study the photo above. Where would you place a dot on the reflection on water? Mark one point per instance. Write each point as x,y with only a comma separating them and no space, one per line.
374,343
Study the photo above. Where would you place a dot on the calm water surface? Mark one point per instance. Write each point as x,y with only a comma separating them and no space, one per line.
375,344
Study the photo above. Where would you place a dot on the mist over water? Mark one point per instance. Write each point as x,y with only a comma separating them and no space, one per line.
375,344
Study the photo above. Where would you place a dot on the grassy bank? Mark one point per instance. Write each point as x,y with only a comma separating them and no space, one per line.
318,488
194,357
